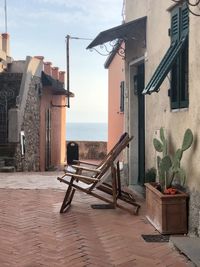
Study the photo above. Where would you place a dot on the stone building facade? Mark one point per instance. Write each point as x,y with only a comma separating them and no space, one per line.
30,160
162,80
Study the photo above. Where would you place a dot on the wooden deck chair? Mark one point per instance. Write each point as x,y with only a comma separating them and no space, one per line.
106,187
114,153
88,183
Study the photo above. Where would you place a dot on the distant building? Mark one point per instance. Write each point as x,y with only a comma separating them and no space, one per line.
32,113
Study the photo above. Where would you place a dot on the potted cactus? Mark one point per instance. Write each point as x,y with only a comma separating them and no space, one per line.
166,203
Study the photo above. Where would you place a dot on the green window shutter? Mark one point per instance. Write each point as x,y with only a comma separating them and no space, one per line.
175,27
175,36
164,67
179,73
184,22
173,59
174,93
122,96
184,99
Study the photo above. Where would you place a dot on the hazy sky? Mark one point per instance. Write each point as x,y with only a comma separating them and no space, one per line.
39,27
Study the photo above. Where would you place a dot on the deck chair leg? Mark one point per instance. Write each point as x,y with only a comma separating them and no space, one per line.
114,185
119,190
112,203
67,199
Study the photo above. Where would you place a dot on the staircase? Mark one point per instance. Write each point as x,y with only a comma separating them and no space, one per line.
7,160
9,90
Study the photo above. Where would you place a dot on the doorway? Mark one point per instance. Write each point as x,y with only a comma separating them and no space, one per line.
48,139
138,88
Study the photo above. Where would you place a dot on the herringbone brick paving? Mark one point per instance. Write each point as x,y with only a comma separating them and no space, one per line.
34,234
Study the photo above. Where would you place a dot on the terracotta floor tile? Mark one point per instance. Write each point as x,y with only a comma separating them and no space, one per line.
34,234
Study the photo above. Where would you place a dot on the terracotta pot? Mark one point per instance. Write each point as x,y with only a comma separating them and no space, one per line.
167,213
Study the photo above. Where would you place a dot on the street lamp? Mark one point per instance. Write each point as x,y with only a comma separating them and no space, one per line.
68,37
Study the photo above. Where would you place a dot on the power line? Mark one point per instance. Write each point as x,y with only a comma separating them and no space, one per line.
79,38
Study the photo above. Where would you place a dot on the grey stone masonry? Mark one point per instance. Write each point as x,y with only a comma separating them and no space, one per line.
194,213
95,150
9,89
31,125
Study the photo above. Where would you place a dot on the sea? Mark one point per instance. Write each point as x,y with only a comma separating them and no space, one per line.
84,131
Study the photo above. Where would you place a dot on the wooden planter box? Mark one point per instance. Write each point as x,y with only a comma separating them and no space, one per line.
167,213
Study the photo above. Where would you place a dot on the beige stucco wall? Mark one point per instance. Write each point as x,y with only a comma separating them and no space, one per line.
135,9
157,105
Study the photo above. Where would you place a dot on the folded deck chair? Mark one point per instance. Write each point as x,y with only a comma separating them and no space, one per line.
91,183
83,166
106,187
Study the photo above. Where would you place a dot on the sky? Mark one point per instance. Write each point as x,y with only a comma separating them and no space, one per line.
39,28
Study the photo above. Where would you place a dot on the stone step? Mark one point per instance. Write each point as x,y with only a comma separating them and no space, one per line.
8,161
7,150
2,163
7,169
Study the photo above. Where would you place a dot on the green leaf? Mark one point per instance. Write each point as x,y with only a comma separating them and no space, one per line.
165,163
162,135
182,175
170,177
164,148
158,161
187,139
157,145
178,155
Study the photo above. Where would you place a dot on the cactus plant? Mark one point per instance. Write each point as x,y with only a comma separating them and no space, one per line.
170,167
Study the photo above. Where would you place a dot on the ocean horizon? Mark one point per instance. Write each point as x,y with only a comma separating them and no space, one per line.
86,131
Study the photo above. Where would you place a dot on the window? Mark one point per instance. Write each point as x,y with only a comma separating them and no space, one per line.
174,60
122,96
179,73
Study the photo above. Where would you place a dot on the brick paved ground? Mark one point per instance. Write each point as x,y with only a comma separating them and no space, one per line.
33,233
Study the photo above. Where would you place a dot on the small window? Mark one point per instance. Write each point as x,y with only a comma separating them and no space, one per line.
175,61
122,96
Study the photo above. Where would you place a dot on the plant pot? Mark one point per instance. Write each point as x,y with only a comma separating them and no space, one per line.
167,213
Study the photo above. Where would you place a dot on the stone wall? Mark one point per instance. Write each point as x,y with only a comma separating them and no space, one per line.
194,213
9,89
95,150
30,126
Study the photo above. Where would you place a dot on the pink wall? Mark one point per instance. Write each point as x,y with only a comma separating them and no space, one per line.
58,128
58,120
58,152
115,117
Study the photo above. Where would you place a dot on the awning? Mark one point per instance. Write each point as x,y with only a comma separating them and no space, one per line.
56,86
165,66
125,31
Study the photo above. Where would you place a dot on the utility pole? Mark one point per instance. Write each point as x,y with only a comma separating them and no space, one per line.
68,37
67,68
5,9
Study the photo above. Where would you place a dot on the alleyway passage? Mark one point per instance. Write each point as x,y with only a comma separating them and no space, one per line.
34,234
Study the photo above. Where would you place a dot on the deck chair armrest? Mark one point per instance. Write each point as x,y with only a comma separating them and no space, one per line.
81,177
85,168
85,162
